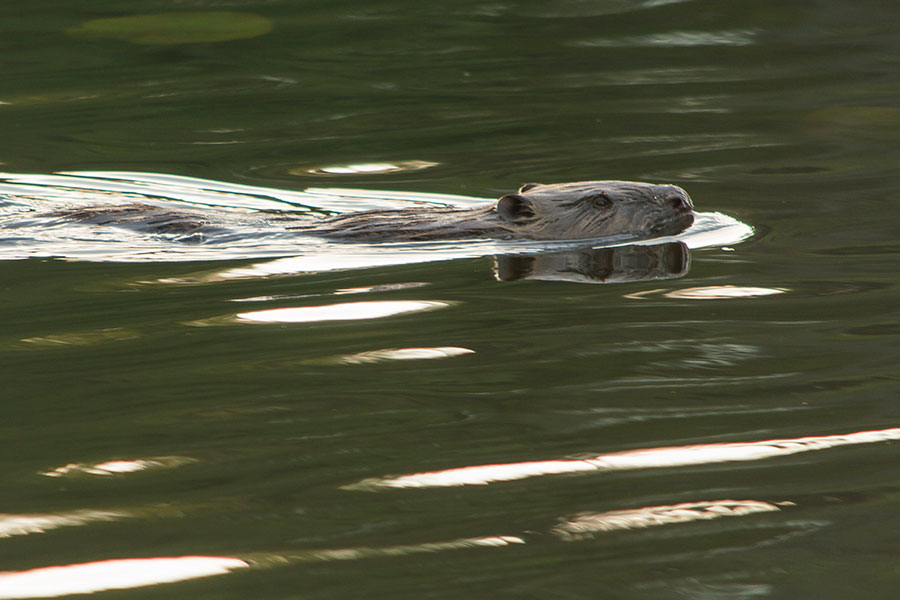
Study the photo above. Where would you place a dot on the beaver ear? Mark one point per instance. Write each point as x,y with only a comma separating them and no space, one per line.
514,208
527,187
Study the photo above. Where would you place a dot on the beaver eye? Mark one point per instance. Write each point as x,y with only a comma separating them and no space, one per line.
601,201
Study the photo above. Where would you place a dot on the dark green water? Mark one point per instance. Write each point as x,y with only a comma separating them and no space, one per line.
245,440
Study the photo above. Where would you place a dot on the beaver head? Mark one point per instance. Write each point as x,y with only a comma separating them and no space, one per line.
590,209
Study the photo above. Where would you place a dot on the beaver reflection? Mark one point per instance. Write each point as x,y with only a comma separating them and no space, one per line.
601,265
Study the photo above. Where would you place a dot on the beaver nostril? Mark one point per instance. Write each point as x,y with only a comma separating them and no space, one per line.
678,203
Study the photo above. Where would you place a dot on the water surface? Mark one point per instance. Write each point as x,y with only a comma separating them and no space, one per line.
241,425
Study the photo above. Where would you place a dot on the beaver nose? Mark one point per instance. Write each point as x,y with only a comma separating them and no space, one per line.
679,203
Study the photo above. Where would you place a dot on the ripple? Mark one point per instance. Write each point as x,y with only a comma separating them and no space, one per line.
591,8
740,37
119,467
365,168
719,292
653,516
891,329
375,356
85,338
11,525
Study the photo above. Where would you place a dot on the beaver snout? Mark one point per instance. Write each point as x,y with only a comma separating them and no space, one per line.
679,201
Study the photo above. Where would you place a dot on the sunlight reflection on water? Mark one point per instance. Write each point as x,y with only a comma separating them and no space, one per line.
11,525
650,458
112,574
119,467
366,168
86,578
373,356
347,311
651,516
723,291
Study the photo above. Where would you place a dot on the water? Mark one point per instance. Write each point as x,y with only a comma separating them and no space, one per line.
406,429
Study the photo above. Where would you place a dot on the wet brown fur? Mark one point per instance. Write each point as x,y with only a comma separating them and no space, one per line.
565,211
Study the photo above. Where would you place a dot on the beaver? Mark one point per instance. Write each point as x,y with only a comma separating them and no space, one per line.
565,211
